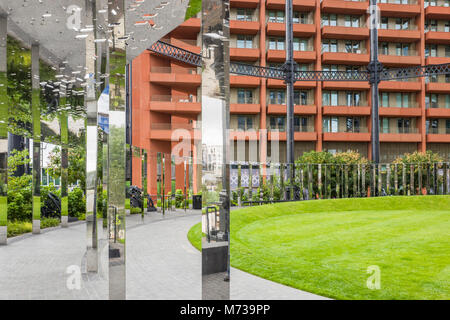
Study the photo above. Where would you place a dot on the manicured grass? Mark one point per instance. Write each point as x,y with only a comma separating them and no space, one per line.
326,246
195,6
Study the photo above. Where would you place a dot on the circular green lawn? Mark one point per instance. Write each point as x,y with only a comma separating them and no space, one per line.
332,247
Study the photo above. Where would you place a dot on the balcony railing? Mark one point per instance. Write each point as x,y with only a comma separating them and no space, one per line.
407,106
178,99
357,51
174,70
339,23
398,1
307,102
437,3
410,26
439,130
296,128
399,130
353,130
437,28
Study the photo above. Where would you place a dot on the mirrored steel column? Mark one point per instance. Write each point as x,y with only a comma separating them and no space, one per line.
117,152
4,115
36,124
64,132
215,143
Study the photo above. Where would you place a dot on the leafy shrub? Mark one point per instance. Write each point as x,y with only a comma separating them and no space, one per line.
77,203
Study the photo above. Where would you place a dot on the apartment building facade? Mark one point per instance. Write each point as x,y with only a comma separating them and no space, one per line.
330,115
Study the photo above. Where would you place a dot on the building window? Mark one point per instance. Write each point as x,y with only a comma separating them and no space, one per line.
352,21
244,14
276,43
330,124
447,126
301,124
431,50
245,122
385,99
353,99
384,48
401,24
384,23
402,100
431,25
402,49
329,20
431,100
403,125
276,16
329,45
300,44
277,123
245,96
385,128
352,46
300,17
277,96
330,98
300,97
244,42
352,124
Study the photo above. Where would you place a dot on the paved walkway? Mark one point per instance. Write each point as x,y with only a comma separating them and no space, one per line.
161,264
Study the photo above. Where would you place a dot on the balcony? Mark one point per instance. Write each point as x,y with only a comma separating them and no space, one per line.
244,81
397,61
410,35
401,135
191,26
437,60
440,37
438,135
440,86
345,85
164,131
411,85
244,3
186,44
346,111
305,134
309,109
241,54
180,76
244,27
299,56
437,12
300,30
392,8
342,32
178,105
438,112
345,58
362,136
395,111
245,108
344,7
300,5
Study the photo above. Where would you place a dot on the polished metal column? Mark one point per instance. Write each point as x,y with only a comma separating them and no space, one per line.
374,67
290,80
117,152
64,132
4,115
36,124
215,145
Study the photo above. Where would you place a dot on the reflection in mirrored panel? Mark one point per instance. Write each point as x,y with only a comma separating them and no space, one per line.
215,149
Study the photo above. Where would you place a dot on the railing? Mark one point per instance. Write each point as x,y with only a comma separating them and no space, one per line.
326,181
362,103
437,79
296,128
402,53
341,49
412,104
308,20
437,3
340,23
437,28
170,98
397,130
439,130
174,70
297,47
398,1
393,26
308,102
353,130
